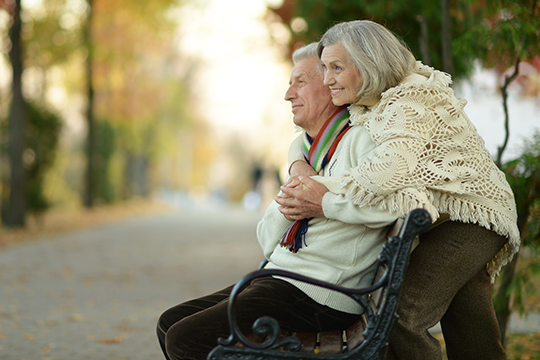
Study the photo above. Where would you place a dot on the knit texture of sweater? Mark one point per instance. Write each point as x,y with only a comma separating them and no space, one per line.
342,247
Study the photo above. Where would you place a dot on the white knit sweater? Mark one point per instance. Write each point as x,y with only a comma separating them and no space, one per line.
341,248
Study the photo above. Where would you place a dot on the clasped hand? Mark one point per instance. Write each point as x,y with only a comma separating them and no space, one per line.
301,198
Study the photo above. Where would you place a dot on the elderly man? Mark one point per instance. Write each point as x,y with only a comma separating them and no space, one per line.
339,244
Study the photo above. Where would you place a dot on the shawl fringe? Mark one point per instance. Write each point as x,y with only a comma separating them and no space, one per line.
403,201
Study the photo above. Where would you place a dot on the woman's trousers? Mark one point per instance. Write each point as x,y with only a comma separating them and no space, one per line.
447,281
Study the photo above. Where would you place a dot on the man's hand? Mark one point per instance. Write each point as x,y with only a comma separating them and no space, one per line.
301,199
300,167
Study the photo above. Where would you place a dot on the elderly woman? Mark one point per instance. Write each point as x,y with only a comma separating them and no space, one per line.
428,155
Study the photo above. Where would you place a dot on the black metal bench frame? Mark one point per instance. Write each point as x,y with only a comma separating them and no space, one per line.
379,302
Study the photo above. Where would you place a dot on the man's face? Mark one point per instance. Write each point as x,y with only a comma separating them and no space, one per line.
310,98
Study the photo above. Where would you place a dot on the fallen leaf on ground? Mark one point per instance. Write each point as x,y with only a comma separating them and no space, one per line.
114,340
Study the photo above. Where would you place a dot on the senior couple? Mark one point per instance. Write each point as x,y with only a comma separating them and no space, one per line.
383,135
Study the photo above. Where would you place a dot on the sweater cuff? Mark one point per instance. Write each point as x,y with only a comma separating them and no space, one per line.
338,207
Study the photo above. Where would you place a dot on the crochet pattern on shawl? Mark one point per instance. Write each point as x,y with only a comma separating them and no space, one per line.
429,155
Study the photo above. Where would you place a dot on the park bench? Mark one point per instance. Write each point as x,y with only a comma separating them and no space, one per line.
367,339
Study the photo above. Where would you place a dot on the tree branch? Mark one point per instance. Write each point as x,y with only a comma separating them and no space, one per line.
504,92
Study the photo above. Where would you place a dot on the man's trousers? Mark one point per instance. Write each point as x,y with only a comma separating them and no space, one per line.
190,330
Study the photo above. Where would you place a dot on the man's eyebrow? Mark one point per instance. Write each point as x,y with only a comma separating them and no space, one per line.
298,77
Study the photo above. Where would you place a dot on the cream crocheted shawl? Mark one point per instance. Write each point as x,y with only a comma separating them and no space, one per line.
429,155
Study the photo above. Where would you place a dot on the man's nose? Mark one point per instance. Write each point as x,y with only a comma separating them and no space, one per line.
290,94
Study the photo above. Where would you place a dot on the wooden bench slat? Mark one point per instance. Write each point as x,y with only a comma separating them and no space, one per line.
309,341
331,342
355,333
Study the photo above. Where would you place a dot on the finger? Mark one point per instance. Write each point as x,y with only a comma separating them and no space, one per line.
292,182
292,192
308,181
289,211
292,206
285,201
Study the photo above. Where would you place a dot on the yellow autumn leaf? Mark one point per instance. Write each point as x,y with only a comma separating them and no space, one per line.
77,317
114,340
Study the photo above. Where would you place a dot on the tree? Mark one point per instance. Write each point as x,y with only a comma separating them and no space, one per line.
14,214
523,174
412,20
505,36
137,86
41,135
89,191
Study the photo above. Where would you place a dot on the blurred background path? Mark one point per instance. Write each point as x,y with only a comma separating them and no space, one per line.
96,293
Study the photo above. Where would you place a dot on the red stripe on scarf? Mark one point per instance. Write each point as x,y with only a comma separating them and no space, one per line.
332,149
312,150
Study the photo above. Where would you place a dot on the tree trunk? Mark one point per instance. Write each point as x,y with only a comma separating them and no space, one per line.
504,94
424,40
448,63
89,193
505,298
16,206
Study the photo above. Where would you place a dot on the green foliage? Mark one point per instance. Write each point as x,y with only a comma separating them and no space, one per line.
105,150
401,17
523,175
41,137
52,33
501,31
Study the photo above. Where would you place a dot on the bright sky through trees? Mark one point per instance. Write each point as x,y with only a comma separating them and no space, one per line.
241,78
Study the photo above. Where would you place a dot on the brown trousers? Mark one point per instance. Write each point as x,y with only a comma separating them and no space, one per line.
447,281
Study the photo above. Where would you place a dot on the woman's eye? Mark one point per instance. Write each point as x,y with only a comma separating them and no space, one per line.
338,68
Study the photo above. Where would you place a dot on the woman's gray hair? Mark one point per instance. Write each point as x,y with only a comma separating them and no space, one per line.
382,59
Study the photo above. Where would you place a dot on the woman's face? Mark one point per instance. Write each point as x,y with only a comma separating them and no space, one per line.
341,75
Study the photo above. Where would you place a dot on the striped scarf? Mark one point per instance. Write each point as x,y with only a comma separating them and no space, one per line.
317,153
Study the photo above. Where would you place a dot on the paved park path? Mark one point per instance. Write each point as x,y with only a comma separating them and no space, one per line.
97,294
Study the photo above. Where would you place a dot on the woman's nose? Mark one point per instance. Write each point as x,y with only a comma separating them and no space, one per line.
328,78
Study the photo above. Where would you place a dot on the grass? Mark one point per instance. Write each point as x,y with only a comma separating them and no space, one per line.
520,346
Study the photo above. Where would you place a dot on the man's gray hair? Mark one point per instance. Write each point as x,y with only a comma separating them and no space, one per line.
305,52
381,57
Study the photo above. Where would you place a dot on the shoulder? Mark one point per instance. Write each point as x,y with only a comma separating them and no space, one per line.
357,134
357,141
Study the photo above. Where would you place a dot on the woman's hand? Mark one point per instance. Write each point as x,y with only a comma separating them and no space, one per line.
302,198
